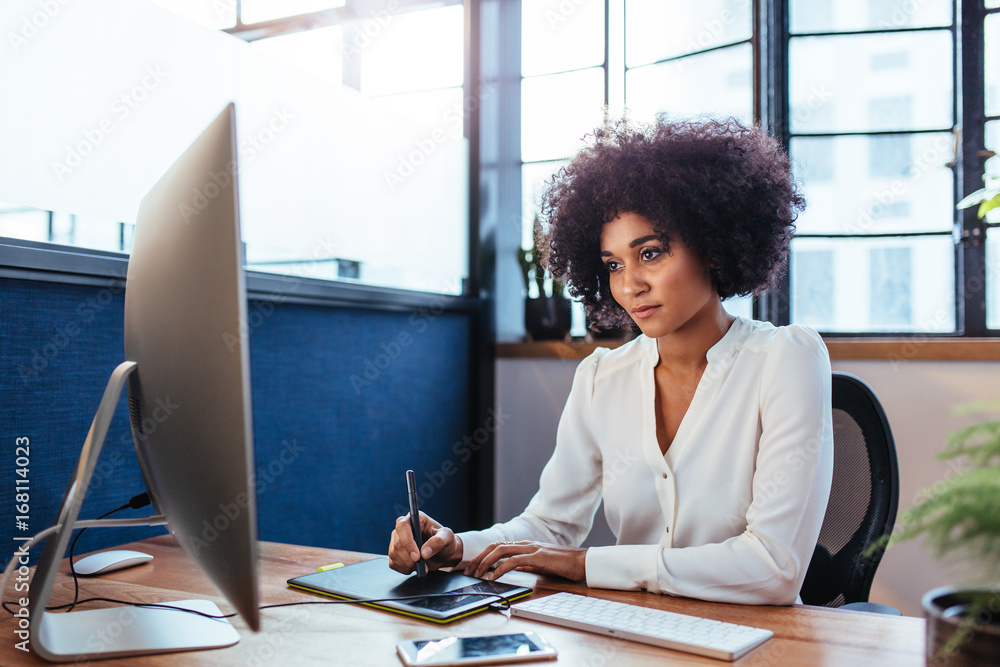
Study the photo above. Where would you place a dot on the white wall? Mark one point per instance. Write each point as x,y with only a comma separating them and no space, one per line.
917,397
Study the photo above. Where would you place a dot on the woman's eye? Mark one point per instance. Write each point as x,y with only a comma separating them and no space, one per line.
611,266
650,253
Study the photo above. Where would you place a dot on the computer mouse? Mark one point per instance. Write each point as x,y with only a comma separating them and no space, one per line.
109,561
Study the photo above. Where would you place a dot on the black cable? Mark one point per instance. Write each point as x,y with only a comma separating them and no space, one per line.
166,605
135,502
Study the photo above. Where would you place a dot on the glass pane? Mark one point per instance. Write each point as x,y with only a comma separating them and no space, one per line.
415,51
533,178
24,222
739,305
871,82
992,4
993,143
874,185
557,110
991,56
813,16
325,174
93,231
719,84
992,278
658,29
319,52
884,284
557,35
255,11
215,15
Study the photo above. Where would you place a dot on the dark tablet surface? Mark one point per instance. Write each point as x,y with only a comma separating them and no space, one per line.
374,580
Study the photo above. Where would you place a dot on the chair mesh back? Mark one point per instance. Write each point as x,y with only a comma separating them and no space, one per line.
863,497
852,484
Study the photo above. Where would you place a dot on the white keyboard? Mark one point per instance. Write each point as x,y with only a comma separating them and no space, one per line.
681,632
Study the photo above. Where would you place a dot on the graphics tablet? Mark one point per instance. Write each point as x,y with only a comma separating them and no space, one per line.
373,579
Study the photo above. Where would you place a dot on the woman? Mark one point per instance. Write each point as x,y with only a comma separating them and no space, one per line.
708,436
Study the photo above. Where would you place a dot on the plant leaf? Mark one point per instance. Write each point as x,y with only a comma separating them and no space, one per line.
980,442
960,515
988,205
978,197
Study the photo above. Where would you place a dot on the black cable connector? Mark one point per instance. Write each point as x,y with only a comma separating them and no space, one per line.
139,501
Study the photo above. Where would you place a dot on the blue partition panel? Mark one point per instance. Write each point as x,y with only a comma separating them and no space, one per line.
344,400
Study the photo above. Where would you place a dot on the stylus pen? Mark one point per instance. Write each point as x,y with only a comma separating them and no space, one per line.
411,491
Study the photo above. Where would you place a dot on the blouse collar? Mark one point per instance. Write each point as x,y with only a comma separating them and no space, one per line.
726,347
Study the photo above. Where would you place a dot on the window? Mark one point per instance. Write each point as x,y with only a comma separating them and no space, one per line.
885,83
991,144
350,120
676,58
891,287
812,280
889,156
866,100
562,97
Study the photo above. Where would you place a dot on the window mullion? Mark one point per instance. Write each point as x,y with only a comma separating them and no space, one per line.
772,45
970,252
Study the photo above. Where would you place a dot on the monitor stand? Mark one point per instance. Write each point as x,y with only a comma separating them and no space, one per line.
118,631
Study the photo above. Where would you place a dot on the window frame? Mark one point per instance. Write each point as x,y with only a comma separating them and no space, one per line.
968,232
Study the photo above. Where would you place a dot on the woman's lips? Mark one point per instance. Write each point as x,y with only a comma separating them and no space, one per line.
642,312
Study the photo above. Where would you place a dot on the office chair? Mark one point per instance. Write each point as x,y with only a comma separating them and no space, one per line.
863,500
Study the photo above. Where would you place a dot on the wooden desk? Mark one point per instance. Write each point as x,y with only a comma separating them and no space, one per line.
351,635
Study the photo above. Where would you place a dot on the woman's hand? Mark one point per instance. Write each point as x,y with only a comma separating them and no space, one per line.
441,548
568,562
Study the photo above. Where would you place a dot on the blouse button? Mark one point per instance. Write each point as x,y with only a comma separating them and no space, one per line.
668,529
664,475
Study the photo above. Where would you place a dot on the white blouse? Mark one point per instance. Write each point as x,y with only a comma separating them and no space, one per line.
733,510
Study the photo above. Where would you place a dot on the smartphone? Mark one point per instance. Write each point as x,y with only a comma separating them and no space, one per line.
486,650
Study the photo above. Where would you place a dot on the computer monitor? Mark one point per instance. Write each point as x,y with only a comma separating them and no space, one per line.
188,379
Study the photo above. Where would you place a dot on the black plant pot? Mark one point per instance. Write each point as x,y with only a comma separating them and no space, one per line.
547,318
945,610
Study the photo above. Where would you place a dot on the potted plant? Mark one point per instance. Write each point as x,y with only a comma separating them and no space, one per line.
961,515
547,310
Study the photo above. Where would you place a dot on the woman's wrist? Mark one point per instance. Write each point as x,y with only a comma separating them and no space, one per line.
459,552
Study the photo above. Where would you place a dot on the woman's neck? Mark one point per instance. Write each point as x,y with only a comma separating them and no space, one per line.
686,348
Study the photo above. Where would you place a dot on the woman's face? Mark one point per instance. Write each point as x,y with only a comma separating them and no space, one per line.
662,291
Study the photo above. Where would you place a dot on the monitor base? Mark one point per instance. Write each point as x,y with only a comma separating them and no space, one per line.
127,631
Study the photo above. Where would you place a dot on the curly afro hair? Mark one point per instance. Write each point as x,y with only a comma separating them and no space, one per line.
724,189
